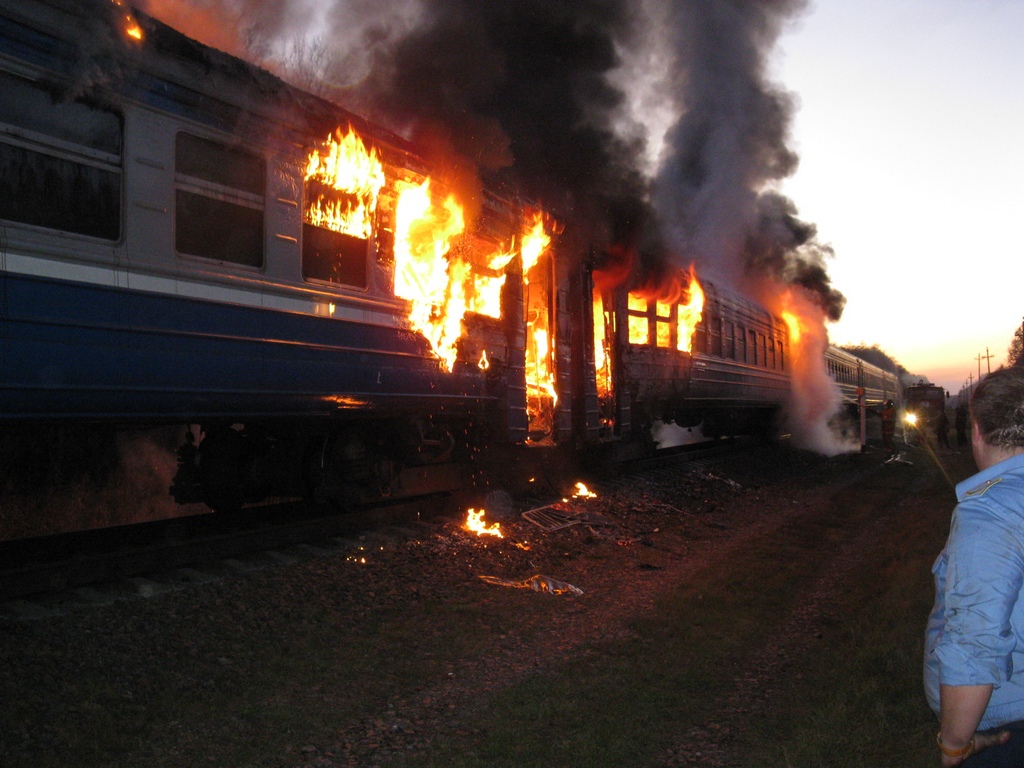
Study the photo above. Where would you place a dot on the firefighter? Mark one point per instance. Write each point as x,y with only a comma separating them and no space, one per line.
888,425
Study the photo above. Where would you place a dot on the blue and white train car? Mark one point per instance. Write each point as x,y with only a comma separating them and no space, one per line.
156,267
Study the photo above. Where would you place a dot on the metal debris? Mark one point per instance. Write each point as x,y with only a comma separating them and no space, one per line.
897,458
537,583
551,519
708,475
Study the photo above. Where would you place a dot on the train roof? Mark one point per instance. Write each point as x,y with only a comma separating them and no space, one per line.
80,48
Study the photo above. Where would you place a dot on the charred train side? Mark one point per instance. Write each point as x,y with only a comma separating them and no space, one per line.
170,254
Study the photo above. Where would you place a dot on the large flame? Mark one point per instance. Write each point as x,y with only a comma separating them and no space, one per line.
669,294
602,354
688,315
639,327
535,243
424,274
814,396
352,177
487,285
541,392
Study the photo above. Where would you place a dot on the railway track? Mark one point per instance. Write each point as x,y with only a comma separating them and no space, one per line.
47,575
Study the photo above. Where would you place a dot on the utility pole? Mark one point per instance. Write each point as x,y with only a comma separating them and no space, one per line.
988,360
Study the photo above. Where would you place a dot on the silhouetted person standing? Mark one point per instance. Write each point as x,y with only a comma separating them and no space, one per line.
961,425
942,429
888,425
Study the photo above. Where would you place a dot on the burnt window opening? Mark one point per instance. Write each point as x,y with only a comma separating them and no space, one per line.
664,325
342,183
715,333
219,201
60,163
701,341
333,257
638,321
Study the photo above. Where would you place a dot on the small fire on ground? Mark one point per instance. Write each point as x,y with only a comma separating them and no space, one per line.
582,492
475,523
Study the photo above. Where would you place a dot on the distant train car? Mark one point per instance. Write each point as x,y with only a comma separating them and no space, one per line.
855,376
187,240
924,404
700,356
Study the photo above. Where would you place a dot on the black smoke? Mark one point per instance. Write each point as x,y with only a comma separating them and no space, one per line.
717,191
571,102
520,90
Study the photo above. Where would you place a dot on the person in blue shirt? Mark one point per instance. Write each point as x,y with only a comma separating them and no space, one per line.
974,642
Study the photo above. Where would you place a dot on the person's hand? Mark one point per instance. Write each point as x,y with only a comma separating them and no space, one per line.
981,741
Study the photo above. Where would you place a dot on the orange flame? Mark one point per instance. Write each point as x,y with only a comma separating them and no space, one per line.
665,295
351,177
602,356
486,298
582,492
535,242
688,315
795,327
424,272
639,327
475,523
130,26
541,392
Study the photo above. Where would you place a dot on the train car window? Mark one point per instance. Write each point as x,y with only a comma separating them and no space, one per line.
729,340
60,163
782,359
219,201
639,325
663,324
752,337
343,180
333,257
700,336
741,343
715,334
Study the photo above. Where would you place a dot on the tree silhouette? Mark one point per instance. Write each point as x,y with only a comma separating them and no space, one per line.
1015,354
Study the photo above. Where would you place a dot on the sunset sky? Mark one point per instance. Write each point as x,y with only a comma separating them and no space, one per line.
910,132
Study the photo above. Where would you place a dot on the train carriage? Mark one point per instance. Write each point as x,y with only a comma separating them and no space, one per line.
187,240
160,264
856,377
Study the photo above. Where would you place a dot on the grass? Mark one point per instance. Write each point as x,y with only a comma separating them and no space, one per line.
855,701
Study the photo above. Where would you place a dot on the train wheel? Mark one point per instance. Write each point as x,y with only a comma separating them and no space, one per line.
224,461
314,462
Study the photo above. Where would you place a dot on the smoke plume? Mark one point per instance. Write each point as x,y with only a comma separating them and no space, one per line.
651,125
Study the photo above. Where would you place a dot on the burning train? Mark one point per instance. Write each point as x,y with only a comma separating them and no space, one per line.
185,239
